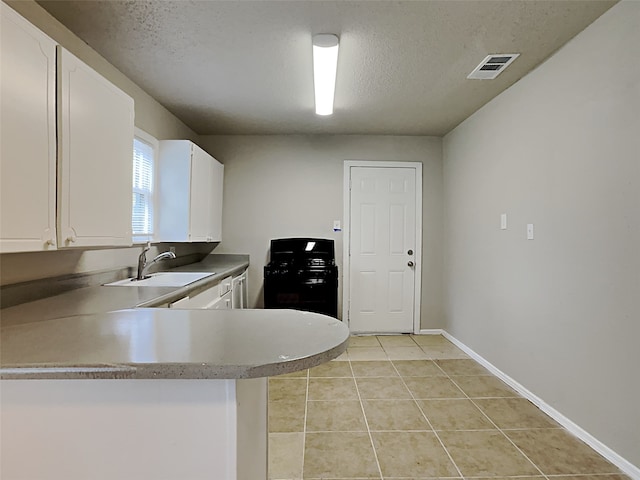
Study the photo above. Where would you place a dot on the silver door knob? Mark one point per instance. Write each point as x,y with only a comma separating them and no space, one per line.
410,264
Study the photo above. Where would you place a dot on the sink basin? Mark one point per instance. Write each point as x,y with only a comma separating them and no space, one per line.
162,279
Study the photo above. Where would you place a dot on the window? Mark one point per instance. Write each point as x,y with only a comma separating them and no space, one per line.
145,149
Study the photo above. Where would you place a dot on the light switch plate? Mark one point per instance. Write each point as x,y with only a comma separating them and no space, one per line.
529,231
503,221
336,226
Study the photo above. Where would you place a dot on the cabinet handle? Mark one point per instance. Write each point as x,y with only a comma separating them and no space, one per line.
50,243
71,239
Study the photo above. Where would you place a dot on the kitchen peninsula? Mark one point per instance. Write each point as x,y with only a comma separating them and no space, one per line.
150,393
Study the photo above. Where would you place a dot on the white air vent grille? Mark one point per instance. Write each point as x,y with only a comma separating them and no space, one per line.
492,66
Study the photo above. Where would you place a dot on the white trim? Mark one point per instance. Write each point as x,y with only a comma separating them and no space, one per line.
619,461
431,331
154,143
346,264
146,137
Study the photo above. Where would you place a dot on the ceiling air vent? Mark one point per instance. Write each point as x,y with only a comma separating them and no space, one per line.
492,66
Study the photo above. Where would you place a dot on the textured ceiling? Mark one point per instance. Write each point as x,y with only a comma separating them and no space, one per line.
245,67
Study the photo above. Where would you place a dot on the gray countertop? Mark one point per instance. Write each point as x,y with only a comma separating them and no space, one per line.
101,299
155,343
95,332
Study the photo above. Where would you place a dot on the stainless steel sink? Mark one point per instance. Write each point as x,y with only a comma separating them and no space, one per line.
162,279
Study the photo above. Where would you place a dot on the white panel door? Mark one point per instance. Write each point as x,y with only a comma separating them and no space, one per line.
95,151
382,249
28,142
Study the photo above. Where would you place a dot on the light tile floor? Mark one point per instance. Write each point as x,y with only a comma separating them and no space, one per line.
415,407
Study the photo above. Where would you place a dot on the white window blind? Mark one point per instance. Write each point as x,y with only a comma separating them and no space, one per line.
143,174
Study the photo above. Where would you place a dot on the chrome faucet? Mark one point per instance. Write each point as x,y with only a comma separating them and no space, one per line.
142,260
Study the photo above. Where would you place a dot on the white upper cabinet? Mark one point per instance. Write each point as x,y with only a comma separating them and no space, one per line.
200,208
189,193
95,149
217,174
28,136
73,190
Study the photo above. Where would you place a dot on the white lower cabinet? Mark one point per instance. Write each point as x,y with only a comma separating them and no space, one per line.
214,298
231,292
200,300
240,290
223,303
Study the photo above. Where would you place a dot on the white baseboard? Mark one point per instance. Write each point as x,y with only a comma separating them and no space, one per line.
431,331
619,461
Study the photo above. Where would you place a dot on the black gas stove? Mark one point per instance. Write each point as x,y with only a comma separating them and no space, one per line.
302,275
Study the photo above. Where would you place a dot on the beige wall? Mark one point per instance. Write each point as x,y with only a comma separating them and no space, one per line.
280,186
150,116
560,149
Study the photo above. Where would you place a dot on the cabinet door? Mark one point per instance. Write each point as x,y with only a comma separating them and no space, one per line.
28,142
174,191
245,289
200,195
202,300
239,295
216,200
189,194
95,149
236,293
223,303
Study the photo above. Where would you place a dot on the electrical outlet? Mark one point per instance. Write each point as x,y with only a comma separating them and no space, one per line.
503,221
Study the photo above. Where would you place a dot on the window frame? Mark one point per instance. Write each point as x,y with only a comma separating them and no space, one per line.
154,143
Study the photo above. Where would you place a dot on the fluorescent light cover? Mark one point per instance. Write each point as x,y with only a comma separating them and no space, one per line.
309,246
325,63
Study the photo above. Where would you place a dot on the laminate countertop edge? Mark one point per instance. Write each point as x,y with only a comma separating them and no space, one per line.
149,343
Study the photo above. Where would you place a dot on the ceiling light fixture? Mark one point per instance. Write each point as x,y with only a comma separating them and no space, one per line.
325,64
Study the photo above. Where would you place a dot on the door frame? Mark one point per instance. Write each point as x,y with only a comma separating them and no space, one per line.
346,243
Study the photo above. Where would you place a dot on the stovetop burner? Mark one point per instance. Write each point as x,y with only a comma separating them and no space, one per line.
306,251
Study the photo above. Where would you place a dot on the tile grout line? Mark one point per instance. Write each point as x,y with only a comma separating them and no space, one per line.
366,422
427,419
304,423
434,358
405,346
449,377
493,423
